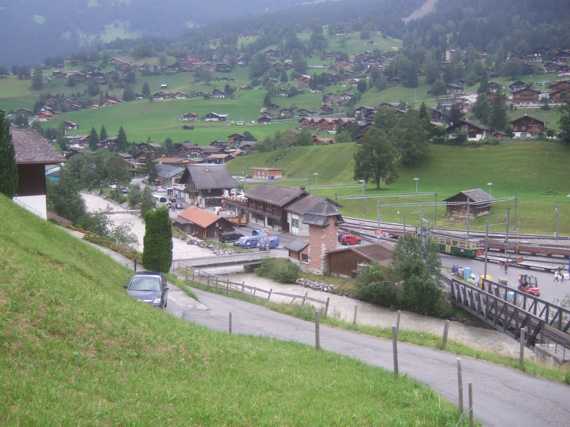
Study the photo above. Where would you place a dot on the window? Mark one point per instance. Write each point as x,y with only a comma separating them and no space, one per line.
295,222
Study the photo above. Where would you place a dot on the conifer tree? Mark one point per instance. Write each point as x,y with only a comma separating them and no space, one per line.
8,167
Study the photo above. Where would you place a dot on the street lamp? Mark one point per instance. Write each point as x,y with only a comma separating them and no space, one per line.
490,186
315,175
417,181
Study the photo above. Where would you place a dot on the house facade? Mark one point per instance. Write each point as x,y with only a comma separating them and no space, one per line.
527,127
206,184
202,223
33,154
526,96
474,202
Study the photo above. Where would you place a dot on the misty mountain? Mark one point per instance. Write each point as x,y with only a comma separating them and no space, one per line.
30,30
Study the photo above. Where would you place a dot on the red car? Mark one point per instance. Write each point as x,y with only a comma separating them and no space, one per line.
349,239
529,285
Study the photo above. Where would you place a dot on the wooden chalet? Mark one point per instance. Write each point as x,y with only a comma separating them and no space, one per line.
202,223
474,202
526,96
560,96
527,127
560,85
266,205
207,183
33,153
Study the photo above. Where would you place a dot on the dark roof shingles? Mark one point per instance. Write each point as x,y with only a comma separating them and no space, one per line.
32,148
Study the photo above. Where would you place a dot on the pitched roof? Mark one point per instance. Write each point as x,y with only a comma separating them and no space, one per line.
475,195
32,148
211,177
279,196
375,252
304,205
320,212
200,217
525,118
296,245
168,171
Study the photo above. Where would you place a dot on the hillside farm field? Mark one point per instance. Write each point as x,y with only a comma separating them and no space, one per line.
160,120
538,173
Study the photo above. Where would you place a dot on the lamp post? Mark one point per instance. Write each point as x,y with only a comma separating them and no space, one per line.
417,181
315,177
490,187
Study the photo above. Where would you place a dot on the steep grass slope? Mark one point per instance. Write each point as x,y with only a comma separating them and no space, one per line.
75,350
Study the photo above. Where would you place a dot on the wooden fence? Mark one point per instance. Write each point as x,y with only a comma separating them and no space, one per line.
225,284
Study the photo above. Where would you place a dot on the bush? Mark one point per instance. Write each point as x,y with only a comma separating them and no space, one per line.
157,255
280,270
385,294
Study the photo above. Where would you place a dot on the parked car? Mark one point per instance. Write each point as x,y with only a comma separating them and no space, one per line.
247,242
349,239
230,237
268,242
150,288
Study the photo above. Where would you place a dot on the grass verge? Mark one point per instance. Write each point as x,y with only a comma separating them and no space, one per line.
75,349
424,339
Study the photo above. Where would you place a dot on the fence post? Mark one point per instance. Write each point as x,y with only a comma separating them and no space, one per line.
460,384
230,323
445,333
304,298
327,306
192,274
242,287
355,315
317,330
186,275
522,345
228,287
470,397
135,264
269,294
395,348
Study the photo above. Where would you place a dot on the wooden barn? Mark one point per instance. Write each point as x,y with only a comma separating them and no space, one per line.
474,202
348,261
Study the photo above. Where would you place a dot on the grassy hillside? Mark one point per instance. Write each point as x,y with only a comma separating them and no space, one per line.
159,120
537,172
74,349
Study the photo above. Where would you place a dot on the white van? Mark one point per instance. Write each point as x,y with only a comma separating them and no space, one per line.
161,200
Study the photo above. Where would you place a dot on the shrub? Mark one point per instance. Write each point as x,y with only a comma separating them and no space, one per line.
280,270
385,294
157,254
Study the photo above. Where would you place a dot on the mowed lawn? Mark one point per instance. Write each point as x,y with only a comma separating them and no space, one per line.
75,350
538,173
160,120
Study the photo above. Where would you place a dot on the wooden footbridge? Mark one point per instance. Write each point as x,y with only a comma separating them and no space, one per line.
245,259
510,310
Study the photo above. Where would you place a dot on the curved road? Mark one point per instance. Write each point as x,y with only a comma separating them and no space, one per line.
502,396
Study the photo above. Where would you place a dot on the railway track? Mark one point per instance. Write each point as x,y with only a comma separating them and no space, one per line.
565,240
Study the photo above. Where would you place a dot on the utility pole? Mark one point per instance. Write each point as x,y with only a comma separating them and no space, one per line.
467,218
434,209
486,249
507,237
557,219
378,218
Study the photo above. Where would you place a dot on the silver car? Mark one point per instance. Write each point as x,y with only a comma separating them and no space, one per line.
150,288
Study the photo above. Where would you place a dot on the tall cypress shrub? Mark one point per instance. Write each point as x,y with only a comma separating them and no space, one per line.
157,254
8,167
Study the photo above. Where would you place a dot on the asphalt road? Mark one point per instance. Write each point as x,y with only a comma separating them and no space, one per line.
502,396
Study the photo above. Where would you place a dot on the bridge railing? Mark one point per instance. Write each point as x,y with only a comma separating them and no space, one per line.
226,285
554,315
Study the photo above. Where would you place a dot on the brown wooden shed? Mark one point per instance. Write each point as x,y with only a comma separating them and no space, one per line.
346,261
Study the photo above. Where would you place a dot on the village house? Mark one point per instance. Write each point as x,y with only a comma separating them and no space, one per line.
560,85
297,210
268,174
202,223
527,127
168,175
349,261
265,205
33,154
215,117
475,202
473,131
560,96
526,96
206,184
325,124
219,158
